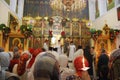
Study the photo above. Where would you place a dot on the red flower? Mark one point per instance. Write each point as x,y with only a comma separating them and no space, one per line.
50,32
63,33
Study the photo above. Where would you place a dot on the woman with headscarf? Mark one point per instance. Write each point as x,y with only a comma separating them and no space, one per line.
89,58
64,70
46,67
14,61
31,62
4,63
20,68
79,52
34,53
81,66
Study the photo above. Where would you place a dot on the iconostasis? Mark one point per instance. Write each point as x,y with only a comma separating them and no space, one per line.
57,28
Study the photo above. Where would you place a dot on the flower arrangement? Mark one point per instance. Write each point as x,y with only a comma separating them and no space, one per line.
99,32
113,33
6,30
26,30
95,33
63,34
50,33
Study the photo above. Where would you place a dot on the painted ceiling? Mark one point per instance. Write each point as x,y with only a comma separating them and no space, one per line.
43,8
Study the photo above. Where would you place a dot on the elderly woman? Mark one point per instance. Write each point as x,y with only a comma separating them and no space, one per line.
46,67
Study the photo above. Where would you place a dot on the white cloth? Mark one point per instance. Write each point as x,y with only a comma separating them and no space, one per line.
9,74
4,59
66,72
63,61
72,49
23,76
59,49
79,52
30,75
56,55
45,46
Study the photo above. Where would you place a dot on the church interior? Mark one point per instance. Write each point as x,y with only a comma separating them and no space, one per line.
29,23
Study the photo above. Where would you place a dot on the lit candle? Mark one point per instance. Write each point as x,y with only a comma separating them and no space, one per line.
84,67
83,60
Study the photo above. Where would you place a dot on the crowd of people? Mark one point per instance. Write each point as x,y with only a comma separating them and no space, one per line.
50,63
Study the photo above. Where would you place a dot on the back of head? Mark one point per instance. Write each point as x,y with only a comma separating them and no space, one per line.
71,42
15,49
54,49
63,60
1,49
22,64
79,64
46,68
50,48
4,59
103,51
79,47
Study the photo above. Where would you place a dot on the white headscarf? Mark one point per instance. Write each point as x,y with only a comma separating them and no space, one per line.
4,60
63,61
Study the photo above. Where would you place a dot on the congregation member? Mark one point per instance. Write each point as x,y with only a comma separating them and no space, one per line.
102,65
81,66
64,70
114,64
14,61
20,68
89,58
34,53
92,51
46,67
4,63
79,52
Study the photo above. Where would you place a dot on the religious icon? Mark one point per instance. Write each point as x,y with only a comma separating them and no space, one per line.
16,42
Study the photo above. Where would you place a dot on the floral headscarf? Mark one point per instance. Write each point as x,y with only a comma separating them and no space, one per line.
34,53
78,64
22,64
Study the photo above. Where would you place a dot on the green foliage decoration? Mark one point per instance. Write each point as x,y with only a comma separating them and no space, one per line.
26,30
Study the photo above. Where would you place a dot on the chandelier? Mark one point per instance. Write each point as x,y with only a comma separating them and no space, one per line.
68,5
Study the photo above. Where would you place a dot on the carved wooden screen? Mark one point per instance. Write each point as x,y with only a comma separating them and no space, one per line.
67,29
85,36
75,29
37,29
